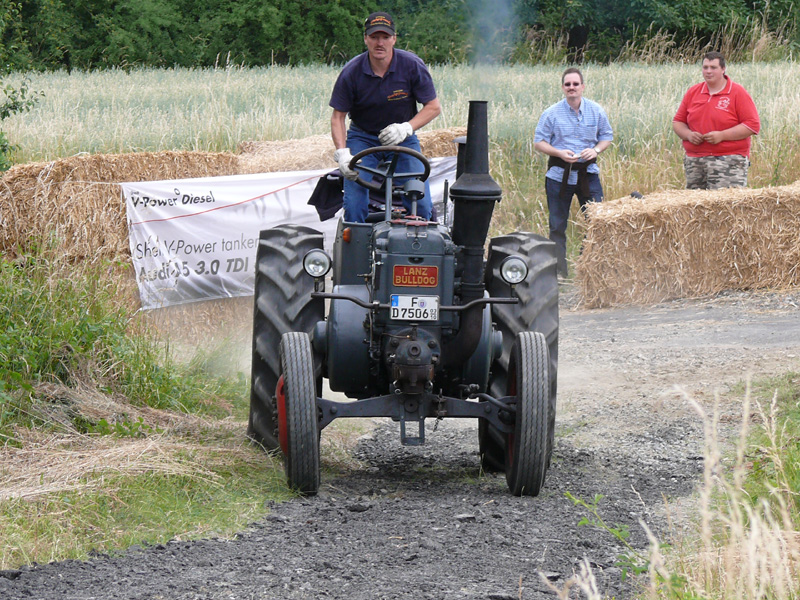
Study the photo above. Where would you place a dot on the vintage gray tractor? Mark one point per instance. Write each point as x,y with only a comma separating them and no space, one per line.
419,325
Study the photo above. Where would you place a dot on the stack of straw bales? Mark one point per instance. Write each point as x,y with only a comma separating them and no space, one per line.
690,243
74,206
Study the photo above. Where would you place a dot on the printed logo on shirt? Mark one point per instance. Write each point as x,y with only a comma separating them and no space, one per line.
398,95
723,103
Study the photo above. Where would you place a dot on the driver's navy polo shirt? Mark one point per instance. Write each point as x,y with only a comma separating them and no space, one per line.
375,102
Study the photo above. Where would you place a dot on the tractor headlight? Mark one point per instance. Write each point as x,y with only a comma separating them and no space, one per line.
513,270
317,263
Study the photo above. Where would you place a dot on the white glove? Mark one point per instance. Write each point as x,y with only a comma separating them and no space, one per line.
393,134
343,157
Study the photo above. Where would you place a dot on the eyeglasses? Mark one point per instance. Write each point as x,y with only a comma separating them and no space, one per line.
571,84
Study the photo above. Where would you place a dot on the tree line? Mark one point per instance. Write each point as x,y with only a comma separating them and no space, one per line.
92,34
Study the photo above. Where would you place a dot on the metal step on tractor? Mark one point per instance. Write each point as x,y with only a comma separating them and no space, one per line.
422,323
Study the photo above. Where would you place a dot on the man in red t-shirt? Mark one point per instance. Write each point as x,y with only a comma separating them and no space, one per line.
715,121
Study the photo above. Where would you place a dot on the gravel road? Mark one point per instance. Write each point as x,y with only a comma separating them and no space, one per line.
425,523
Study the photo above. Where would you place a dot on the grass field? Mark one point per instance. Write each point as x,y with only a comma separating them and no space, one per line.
216,109
210,470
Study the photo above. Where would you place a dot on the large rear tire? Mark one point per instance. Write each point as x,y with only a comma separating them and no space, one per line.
526,447
491,446
537,310
282,303
298,424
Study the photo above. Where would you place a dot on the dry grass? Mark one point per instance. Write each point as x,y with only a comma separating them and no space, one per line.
61,405
690,243
225,323
66,463
65,459
747,548
742,548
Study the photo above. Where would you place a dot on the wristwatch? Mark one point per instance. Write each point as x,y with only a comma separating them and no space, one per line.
596,150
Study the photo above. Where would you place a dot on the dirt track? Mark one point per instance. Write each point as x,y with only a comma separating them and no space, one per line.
424,523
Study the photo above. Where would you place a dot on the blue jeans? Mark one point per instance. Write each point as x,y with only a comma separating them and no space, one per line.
356,197
559,211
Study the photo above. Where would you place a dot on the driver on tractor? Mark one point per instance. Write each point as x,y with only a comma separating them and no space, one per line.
380,89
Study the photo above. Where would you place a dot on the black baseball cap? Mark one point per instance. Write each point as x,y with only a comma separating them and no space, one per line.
379,21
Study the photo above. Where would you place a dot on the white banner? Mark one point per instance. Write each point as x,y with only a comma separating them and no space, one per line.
196,239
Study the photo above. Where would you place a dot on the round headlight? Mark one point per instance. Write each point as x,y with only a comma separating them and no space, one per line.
317,263
514,270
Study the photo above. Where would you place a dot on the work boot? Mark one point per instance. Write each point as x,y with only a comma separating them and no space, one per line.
561,263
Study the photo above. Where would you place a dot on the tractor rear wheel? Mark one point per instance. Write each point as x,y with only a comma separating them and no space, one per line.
283,303
537,310
491,447
526,447
298,424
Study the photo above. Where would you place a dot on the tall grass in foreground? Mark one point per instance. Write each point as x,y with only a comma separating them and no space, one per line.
747,544
62,324
104,440
216,109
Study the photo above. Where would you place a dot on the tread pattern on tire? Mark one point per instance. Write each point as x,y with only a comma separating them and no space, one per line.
536,311
530,380
302,458
282,304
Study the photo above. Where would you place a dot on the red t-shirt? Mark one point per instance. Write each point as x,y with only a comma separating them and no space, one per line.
704,112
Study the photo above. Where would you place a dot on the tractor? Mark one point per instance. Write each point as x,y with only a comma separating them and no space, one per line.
422,322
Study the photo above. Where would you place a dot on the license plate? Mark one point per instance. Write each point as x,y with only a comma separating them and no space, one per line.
414,308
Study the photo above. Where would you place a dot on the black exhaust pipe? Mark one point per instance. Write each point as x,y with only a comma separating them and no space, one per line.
475,191
474,195
461,156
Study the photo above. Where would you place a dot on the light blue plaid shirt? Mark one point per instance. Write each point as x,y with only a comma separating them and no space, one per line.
563,129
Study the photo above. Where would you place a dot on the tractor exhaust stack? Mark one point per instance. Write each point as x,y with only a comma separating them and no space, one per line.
474,195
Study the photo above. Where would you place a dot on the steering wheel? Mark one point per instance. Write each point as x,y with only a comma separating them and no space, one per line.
389,171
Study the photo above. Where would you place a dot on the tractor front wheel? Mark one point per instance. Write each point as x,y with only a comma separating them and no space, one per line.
529,381
298,425
537,310
283,303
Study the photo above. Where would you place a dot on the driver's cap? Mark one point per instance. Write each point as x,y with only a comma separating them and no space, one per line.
379,21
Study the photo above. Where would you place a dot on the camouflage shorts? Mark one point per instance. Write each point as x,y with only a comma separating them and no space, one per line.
715,172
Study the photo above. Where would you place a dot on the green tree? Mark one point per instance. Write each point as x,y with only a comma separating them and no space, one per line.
87,34
16,99
330,32
49,29
601,27
13,45
437,30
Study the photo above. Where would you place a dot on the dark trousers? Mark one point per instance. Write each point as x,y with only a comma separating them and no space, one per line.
559,212
356,197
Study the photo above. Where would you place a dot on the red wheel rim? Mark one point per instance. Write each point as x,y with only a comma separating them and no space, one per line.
283,436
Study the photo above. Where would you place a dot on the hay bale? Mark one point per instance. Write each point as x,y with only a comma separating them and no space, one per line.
316,152
439,142
690,243
74,205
